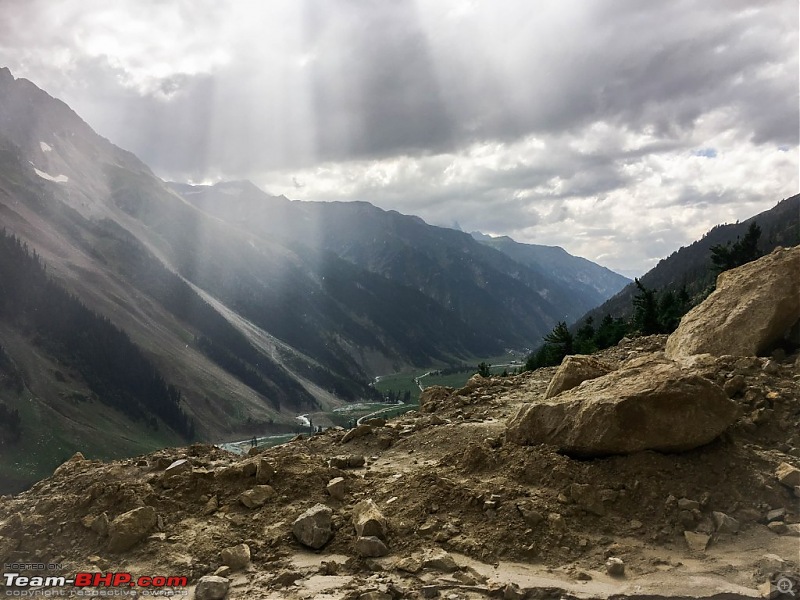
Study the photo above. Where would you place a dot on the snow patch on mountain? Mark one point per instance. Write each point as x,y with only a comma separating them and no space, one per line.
57,178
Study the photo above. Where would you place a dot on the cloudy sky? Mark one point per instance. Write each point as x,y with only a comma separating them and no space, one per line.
618,129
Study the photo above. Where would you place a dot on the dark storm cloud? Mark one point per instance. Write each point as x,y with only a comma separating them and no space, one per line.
551,121
387,78
376,94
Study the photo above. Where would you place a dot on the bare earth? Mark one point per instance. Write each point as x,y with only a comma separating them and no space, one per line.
508,515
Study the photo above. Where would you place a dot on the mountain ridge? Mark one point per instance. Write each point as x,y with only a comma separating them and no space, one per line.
249,326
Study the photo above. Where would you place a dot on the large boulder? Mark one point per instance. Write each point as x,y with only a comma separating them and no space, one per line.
748,313
314,528
129,528
653,405
574,370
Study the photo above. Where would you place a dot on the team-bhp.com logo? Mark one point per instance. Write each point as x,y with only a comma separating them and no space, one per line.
20,585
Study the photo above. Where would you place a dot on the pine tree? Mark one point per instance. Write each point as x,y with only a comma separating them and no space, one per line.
742,251
645,310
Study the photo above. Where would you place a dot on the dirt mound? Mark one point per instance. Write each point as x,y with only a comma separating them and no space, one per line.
447,481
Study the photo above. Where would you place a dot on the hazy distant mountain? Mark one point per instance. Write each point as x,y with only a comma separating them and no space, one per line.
506,302
691,265
241,310
588,280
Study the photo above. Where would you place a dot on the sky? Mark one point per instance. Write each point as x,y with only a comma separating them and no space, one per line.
620,130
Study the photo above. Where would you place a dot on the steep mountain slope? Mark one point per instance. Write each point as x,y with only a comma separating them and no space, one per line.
691,265
585,278
250,309
507,302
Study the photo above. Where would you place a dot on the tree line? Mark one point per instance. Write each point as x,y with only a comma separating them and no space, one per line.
654,311
112,366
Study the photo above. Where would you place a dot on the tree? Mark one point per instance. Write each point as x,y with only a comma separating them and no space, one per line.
557,344
585,338
645,310
483,370
561,339
742,251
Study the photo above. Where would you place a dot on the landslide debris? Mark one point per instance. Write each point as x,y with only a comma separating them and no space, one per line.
445,503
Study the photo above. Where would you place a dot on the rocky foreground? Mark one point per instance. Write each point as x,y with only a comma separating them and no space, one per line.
633,473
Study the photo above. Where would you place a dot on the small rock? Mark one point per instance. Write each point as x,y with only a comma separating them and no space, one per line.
409,564
530,516
556,522
336,488
211,506
788,475
236,557
179,466
771,563
129,528
223,571
735,386
583,576
686,504
375,595
792,530
285,578
371,547
697,542
778,527
346,461
100,525
513,592
258,496
615,567
771,367
313,527
369,520
724,524
211,587
249,469
357,432
586,496
75,460
429,591
438,560
265,471
776,514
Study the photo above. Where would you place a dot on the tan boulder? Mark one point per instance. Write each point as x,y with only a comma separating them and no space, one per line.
751,309
129,528
313,528
368,520
652,406
574,370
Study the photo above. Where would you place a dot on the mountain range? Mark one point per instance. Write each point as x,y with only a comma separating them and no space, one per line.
136,313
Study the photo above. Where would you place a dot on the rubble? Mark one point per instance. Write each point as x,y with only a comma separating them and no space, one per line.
453,507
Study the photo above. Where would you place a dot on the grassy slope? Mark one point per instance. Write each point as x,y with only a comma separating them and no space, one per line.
60,418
